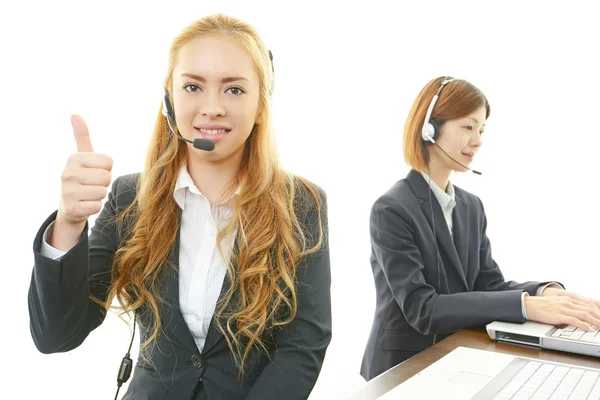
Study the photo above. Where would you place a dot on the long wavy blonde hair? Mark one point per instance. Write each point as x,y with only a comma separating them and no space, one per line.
270,240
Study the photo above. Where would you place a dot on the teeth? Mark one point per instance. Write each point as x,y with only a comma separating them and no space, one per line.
212,131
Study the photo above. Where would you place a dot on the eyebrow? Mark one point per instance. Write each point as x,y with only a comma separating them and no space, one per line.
475,119
224,80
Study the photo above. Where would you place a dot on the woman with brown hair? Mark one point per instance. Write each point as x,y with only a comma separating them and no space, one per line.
221,255
431,258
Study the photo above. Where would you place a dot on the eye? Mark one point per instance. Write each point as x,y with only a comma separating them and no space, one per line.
191,88
468,127
481,133
236,91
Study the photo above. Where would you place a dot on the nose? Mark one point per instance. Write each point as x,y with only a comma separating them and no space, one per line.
213,106
476,139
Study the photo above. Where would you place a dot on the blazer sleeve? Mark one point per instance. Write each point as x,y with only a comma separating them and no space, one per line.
60,310
490,278
301,345
427,311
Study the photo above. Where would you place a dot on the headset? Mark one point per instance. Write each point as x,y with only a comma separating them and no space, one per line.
431,128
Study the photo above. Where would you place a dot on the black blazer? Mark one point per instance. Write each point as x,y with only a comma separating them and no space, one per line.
412,310
62,317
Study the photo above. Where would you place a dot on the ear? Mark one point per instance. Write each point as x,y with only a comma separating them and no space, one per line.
259,116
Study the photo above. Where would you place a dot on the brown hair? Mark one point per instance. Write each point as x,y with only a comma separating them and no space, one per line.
457,99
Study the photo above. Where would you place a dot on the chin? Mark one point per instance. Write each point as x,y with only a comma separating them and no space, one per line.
460,169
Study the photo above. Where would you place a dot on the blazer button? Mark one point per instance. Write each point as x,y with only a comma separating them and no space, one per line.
197,361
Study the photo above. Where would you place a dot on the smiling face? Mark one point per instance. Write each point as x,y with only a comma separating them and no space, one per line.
461,139
215,92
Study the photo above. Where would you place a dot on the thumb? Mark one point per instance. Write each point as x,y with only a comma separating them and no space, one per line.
81,133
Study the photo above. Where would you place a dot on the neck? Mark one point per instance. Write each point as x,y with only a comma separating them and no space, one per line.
439,173
212,178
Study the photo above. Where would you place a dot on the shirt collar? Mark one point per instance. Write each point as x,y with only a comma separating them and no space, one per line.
446,198
184,181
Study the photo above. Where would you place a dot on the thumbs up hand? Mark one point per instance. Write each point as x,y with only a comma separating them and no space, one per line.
84,184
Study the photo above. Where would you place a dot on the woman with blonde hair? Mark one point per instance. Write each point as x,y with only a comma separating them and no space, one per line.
221,255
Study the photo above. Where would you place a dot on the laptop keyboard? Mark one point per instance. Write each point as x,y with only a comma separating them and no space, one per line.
574,333
539,380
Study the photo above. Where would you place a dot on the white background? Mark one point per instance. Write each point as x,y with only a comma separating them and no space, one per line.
346,76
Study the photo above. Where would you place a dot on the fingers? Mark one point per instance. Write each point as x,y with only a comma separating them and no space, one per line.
585,320
87,176
591,302
563,310
81,210
78,211
90,207
588,308
81,134
74,195
578,323
91,160
585,313
581,298
97,160
93,193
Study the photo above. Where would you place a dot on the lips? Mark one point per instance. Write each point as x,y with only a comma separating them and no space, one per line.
212,131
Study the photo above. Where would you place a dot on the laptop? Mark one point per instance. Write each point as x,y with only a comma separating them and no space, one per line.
474,374
561,337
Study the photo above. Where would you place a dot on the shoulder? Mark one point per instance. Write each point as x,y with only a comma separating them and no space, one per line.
399,198
308,196
400,190
472,201
310,208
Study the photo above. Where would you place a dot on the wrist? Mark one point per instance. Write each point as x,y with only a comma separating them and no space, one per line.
526,299
65,234
552,291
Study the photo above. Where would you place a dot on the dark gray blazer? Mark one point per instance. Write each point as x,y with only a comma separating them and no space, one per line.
412,309
62,316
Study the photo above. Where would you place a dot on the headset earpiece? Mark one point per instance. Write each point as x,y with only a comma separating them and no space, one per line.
431,131
431,128
167,109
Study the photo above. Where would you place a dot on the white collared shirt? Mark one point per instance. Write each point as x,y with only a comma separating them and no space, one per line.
201,267
446,199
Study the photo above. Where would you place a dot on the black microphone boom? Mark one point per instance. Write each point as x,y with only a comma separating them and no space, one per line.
464,166
199,143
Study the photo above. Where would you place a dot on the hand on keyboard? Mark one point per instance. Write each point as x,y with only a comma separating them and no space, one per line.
550,291
557,310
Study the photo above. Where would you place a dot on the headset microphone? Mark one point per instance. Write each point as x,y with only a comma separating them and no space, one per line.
450,157
199,143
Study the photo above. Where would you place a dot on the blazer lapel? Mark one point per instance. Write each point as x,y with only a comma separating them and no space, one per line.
441,228
170,310
461,223
214,335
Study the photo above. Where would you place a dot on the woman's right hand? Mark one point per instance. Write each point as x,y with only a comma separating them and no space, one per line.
557,310
84,184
